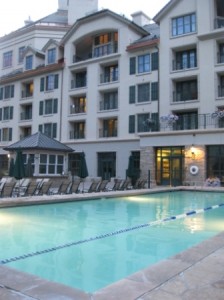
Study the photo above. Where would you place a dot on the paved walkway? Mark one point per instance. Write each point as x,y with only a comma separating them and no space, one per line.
197,273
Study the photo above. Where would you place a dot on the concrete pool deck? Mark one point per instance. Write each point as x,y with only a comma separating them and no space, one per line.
197,273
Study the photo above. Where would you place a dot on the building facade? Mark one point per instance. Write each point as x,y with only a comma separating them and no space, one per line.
113,87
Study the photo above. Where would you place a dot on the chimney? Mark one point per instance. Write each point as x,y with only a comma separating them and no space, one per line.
63,4
140,18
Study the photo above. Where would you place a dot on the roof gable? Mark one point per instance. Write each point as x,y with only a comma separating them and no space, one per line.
39,141
165,10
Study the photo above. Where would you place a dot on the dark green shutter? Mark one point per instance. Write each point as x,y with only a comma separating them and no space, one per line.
132,65
41,108
132,124
54,133
42,84
132,94
55,106
40,128
10,134
56,81
0,114
155,61
11,112
154,91
1,93
12,91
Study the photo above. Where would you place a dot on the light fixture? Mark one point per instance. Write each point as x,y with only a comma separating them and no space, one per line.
192,152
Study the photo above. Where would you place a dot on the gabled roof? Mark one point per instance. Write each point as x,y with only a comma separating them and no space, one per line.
101,14
164,10
35,51
49,43
39,141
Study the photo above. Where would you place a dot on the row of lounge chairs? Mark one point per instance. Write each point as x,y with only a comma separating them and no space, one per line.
34,187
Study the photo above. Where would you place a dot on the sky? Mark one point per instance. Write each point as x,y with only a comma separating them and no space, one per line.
13,13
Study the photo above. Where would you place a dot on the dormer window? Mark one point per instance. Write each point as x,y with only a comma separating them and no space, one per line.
51,56
29,62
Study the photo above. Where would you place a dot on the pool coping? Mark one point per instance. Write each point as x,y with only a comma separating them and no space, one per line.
166,279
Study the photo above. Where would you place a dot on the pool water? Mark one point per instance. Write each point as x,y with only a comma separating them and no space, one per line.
85,244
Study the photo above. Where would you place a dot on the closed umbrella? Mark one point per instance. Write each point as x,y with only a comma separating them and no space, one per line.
11,167
83,171
132,171
19,169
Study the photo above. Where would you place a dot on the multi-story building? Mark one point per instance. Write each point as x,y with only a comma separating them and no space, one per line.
113,87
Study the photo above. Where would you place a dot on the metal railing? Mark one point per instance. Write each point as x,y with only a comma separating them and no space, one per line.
77,134
111,77
105,133
108,105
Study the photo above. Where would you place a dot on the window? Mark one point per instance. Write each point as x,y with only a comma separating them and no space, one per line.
142,122
51,56
7,92
154,91
7,59
132,124
143,92
29,62
144,63
186,90
184,25
50,129
51,82
51,164
185,60
105,44
110,101
20,55
6,134
6,113
49,106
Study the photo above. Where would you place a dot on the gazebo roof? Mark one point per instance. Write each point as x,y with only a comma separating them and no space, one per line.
38,141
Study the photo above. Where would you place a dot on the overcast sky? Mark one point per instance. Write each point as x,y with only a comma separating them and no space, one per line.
13,13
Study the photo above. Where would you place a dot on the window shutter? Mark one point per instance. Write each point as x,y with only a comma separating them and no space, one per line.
40,128
155,61
11,112
54,133
1,93
0,114
41,108
132,65
55,106
10,134
42,84
12,91
132,124
132,94
154,91
56,81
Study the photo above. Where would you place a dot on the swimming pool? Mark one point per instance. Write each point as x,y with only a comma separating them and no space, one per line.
90,244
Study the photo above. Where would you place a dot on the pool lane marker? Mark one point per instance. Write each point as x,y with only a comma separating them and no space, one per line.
172,218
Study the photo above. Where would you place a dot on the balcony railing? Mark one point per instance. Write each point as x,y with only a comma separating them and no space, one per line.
187,96
184,122
220,58
105,133
220,91
77,109
106,49
177,65
106,78
108,105
77,134
26,94
78,83
219,22
26,116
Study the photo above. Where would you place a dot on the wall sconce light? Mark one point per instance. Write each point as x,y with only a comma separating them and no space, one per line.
192,152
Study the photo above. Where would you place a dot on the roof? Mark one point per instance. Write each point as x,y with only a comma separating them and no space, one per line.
39,141
101,14
164,10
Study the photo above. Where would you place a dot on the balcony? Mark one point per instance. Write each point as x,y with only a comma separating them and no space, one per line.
108,105
77,134
107,133
25,116
186,96
177,65
219,22
75,84
26,94
77,109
